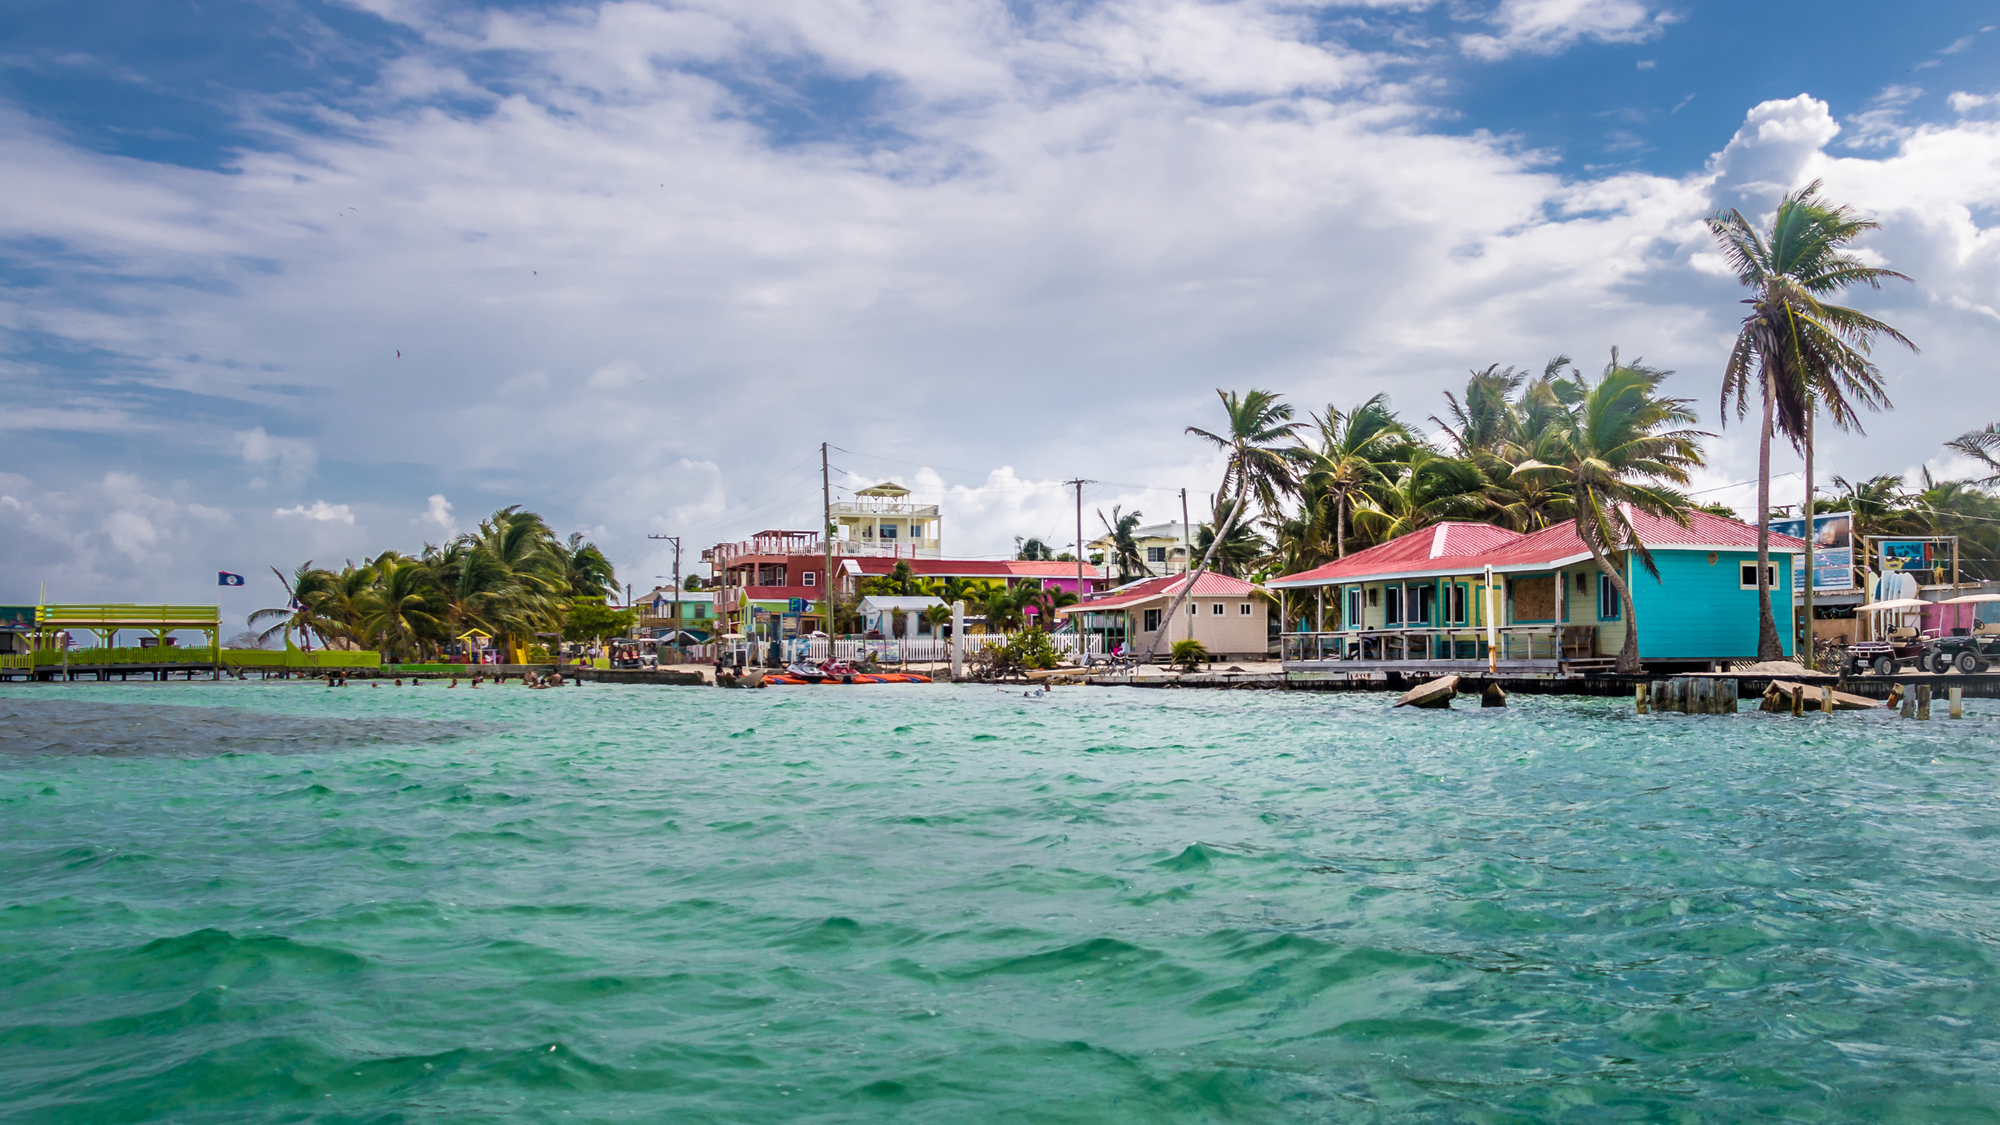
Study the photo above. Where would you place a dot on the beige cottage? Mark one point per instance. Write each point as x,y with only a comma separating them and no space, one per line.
1230,617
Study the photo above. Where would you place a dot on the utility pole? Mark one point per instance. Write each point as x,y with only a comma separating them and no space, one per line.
826,534
1187,560
1080,594
679,654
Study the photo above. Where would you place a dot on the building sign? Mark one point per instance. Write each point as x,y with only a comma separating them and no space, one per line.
1928,559
17,617
1833,549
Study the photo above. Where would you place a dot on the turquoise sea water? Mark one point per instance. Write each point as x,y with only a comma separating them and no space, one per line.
262,903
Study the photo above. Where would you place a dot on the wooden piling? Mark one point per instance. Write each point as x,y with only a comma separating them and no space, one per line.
1642,698
1909,710
1798,694
1957,702
1923,702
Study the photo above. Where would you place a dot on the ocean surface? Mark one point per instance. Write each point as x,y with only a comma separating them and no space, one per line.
247,902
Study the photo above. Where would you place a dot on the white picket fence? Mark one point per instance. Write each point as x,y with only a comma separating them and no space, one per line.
919,650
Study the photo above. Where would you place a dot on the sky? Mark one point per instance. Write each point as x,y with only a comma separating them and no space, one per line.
286,279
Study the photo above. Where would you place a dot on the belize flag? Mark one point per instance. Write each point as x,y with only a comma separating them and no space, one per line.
224,578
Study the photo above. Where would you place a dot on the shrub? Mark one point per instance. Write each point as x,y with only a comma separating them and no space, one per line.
1031,648
1189,655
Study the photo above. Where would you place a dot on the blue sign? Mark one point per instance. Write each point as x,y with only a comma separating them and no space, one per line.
798,605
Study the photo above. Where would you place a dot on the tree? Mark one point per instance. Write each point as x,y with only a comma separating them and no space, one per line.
305,590
1983,446
1239,554
1803,353
1047,600
1617,451
586,572
590,619
1124,550
1032,549
1430,488
1359,450
400,610
1262,454
1004,607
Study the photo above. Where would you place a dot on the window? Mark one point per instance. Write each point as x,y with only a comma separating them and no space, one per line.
1243,610
1392,605
888,531
1355,602
1152,621
1217,611
1156,554
1373,596
1454,604
1423,602
700,611
1609,606
1748,576
810,578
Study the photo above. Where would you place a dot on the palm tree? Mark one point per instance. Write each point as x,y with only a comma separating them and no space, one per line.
1983,446
1617,452
400,609
1485,420
1239,554
1262,454
1430,489
1032,548
1803,353
1358,451
586,571
305,590
1124,549
1003,605
1047,600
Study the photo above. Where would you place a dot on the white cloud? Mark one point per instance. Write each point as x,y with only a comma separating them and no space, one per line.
1547,26
320,510
293,458
439,512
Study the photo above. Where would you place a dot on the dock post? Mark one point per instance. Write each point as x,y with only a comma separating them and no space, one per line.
1798,699
1730,691
958,640
1700,697
1909,709
1639,700
1826,699
1957,702
1923,701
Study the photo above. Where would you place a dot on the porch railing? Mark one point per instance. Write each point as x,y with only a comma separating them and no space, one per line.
1517,642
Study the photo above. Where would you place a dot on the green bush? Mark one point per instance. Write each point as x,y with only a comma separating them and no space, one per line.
1031,648
1189,655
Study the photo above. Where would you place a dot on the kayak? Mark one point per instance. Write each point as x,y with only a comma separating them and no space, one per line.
854,678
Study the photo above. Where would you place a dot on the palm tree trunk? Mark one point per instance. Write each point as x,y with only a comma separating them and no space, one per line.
1187,588
1340,525
1628,653
1769,647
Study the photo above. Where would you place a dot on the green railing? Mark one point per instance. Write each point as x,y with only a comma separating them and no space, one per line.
231,657
128,616
22,662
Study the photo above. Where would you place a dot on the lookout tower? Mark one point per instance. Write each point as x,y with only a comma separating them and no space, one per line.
882,521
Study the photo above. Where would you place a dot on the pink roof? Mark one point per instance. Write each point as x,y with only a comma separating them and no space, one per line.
975,568
1210,585
1436,550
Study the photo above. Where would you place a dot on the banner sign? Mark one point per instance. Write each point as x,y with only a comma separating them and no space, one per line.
17,617
1833,549
1928,559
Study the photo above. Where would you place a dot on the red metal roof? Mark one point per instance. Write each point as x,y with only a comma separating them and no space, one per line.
1210,584
1460,550
976,568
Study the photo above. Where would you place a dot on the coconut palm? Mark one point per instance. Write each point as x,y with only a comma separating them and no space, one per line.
1003,607
1803,353
1359,450
1032,548
1262,454
1430,488
1618,452
400,611
1983,446
1485,420
304,591
1124,549
1239,554
586,571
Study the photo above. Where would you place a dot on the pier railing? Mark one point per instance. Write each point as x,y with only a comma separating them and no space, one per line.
1365,646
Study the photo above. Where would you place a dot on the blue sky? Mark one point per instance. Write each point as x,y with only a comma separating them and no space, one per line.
639,259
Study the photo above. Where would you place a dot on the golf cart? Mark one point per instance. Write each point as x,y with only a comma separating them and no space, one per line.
1970,651
1902,646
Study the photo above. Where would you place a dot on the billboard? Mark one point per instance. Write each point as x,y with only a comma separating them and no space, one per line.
17,617
1833,549
1928,559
